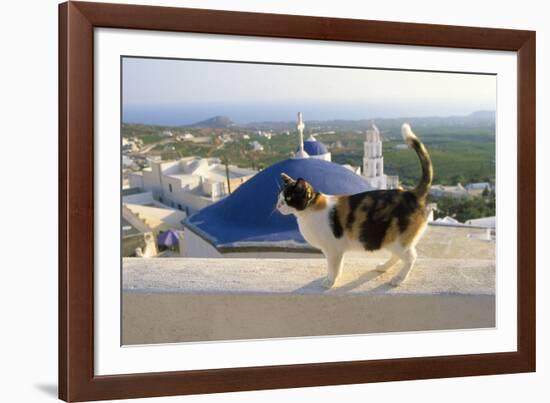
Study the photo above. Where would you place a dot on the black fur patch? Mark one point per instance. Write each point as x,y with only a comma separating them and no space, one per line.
296,194
335,223
372,233
386,205
373,230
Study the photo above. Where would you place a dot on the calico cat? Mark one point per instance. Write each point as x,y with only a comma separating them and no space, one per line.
382,219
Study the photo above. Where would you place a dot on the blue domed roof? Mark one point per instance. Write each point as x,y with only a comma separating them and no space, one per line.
314,147
248,216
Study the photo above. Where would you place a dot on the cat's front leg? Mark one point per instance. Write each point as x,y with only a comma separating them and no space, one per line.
335,261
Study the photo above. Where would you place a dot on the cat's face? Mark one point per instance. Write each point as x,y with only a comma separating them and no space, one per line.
295,196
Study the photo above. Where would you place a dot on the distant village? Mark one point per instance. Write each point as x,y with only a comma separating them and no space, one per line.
191,205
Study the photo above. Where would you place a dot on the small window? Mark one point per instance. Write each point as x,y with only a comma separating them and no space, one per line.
179,207
170,187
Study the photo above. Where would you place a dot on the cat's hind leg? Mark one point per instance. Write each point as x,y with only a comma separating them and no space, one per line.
408,256
388,264
335,261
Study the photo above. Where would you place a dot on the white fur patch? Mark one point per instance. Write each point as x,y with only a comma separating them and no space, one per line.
407,133
284,208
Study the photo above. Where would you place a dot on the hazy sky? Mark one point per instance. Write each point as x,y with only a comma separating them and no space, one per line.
180,92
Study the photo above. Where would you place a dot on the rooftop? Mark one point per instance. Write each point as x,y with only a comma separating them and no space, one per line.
155,217
210,169
314,147
249,215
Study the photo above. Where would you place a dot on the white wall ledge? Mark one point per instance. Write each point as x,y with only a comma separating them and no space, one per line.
168,300
303,276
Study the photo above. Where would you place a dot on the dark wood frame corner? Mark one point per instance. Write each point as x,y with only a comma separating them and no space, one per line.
77,381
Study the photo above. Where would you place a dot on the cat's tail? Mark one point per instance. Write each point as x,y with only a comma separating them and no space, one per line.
410,138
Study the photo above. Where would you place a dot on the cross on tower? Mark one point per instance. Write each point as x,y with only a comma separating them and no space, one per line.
300,126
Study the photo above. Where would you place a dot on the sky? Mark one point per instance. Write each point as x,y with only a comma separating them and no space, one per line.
174,92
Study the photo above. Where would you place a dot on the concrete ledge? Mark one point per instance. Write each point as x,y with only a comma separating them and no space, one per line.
178,300
303,276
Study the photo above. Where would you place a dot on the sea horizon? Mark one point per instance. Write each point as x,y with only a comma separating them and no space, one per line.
243,114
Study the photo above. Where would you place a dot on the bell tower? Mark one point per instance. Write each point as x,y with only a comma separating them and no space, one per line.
373,161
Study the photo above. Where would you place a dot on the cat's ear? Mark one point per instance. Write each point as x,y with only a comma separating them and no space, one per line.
304,187
287,180
301,185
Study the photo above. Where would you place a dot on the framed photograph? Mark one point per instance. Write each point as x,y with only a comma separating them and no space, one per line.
256,201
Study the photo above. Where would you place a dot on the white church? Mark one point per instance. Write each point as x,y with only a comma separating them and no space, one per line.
373,160
244,224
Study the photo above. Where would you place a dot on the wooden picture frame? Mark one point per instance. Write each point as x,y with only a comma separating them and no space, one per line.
77,381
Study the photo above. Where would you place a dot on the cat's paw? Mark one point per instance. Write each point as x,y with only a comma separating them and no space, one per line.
381,268
397,281
328,283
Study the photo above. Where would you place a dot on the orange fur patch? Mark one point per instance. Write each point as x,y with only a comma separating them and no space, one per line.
417,223
342,209
320,202
391,233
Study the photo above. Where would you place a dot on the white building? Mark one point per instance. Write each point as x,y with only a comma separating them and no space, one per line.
489,223
485,222
128,162
478,186
477,189
191,183
256,146
131,144
265,134
373,162
226,138
456,192
185,137
447,221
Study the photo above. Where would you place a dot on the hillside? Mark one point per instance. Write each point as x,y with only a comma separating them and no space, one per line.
462,147
217,122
